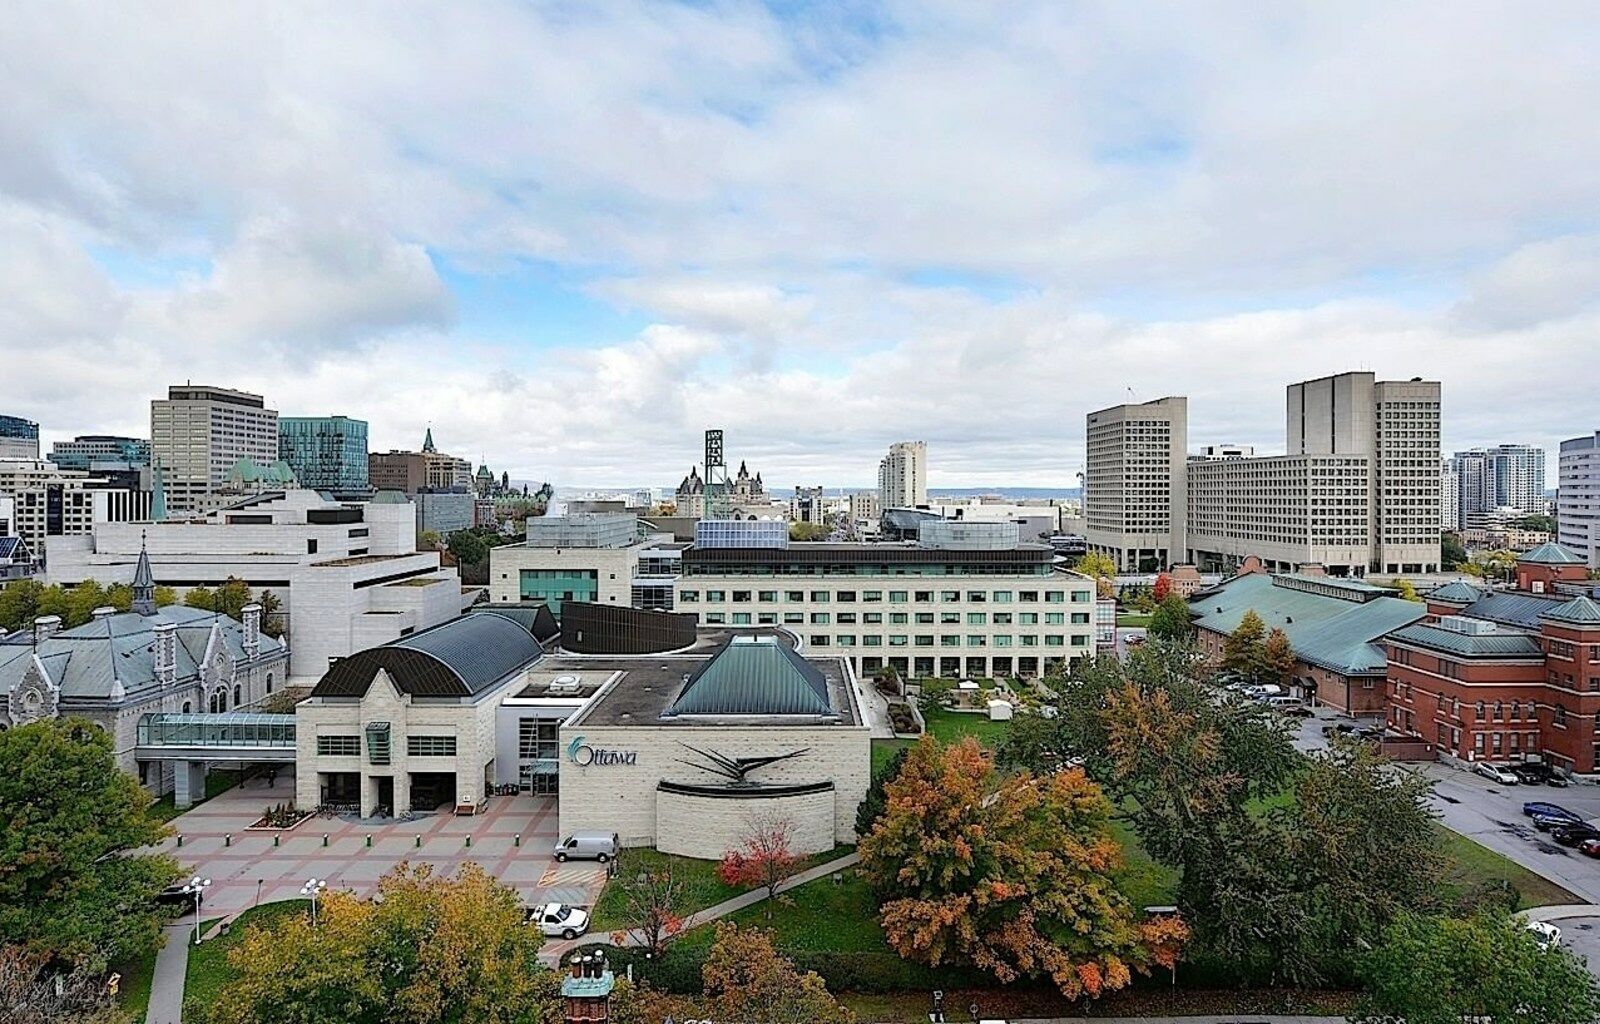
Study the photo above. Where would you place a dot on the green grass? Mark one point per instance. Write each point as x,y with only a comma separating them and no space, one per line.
1472,865
951,726
1145,882
209,971
1133,619
133,992
702,887
820,915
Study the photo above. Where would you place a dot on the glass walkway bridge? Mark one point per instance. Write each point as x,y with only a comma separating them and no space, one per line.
233,736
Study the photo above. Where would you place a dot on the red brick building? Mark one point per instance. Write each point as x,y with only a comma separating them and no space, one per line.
1505,675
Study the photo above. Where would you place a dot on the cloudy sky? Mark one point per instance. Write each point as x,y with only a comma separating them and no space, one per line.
572,236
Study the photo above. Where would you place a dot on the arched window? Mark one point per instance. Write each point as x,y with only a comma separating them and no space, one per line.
269,682
186,707
218,703
237,696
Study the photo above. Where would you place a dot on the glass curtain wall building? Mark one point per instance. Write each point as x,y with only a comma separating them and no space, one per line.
327,453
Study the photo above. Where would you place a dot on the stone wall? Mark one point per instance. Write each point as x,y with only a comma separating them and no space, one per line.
708,826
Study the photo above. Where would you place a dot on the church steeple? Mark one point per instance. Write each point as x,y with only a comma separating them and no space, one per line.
427,441
144,584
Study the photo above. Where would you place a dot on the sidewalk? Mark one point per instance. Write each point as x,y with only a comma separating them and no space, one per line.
166,987
554,951
1234,1018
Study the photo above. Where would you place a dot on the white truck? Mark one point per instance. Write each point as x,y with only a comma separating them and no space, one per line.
559,921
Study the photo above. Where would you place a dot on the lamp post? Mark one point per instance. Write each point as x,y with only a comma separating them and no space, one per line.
196,887
313,888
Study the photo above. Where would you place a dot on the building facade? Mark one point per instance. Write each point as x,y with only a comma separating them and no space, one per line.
83,452
19,439
1578,500
49,502
1135,483
994,608
1507,479
903,475
1285,510
591,557
199,433
327,453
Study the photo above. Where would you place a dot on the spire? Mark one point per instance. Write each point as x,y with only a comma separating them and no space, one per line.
158,491
427,441
144,583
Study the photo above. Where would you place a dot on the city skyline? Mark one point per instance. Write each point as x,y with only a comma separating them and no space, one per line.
821,230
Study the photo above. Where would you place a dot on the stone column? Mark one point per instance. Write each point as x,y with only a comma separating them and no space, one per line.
189,784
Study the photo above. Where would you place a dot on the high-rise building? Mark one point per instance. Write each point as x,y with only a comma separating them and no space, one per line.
1135,485
1490,480
199,433
327,453
1578,500
53,502
19,439
1449,495
903,475
1395,424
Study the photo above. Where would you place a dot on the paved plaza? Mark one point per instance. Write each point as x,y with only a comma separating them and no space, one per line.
251,870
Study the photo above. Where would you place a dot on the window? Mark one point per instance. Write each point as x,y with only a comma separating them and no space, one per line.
819,640
716,595
846,640
269,682
950,618
741,597
768,597
924,597
1054,596
741,618
950,641
1080,618
1002,618
689,596
539,739
925,618
715,618
846,618
897,596
1479,711
1055,640
872,640
794,595
846,596
1055,618
977,619
872,618
1002,596
949,596
1027,618
238,696
766,618
430,746
821,618
311,546
1028,595
1560,719
872,595
1082,640
1082,597
1029,640
897,640
217,702
1002,641
820,596
338,746
899,618
977,640
977,596
794,618
378,743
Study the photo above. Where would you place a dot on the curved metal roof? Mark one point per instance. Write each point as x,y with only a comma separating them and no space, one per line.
460,658
754,676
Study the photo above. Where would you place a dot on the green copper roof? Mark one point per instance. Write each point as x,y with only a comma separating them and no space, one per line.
1496,644
1456,592
1550,553
754,676
1579,610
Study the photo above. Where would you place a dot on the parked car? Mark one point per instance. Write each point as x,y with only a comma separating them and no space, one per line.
1535,772
1496,773
1282,703
1299,709
1545,934
600,846
1262,690
1548,823
181,895
558,921
1572,835
1590,847
1339,728
1549,810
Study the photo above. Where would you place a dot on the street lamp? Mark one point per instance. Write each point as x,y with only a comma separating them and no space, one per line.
196,887
313,888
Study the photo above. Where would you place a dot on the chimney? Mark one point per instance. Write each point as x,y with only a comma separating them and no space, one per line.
1311,569
166,653
251,614
45,627
104,611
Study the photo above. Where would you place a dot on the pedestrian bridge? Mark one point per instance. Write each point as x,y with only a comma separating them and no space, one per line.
242,736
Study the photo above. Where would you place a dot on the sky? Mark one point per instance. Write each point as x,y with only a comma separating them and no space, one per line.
572,236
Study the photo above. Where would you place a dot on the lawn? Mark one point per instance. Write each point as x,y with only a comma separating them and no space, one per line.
1473,865
946,727
133,991
209,970
1132,619
830,915
702,887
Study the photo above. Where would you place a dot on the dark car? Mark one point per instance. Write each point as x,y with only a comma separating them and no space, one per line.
180,895
1549,823
1590,847
1572,835
1549,810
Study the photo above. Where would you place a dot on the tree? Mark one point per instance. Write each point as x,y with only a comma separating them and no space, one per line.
203,598
429,540
874,803
765,858
1432,970
1162,587
1543,524
1244,648
808,531
1452,552
32,993
747,979
1406,589
1171,620
1277,658
468,548
428,950
653,901
1009,874
1096,565
71,884
271,613
19,603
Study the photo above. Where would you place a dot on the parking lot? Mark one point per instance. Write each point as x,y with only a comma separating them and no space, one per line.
248,868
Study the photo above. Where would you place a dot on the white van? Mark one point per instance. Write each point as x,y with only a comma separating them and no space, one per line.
1282,703
1263,690
600,846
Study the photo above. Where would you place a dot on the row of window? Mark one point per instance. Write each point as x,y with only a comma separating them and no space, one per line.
416,746
895,596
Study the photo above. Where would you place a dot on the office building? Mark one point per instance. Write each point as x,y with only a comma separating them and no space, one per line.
1286,510
865,508
405,472
83,452
1395,425
590,557
19,439
809,506
199,433
1507,479
1449,496
967,600
51,502
1578,500
16,558
903,475
1135,487
327,453
347,574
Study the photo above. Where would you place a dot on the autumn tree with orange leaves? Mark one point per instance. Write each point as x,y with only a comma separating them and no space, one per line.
1008,874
